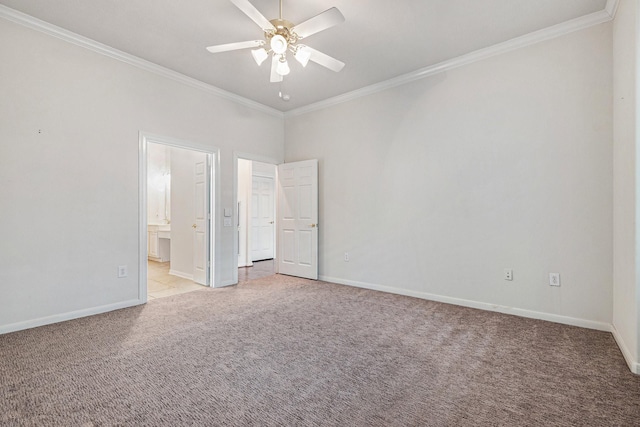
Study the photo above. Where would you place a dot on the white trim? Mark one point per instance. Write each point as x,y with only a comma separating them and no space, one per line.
566,320
87,43
227,283
215,229
179,143
612,8
478,55
558,30
255,158
181,274
633,365
142,218
56,318
635,318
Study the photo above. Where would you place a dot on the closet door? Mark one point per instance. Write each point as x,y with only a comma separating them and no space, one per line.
298,219
262,218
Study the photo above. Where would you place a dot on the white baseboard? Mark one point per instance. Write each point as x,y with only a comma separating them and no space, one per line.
634,366
56,318
181,274
583,323
224,283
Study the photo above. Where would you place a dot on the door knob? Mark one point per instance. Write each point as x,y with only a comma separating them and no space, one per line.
193,226
270,222
313,225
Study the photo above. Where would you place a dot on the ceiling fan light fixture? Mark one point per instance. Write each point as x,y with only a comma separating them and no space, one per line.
280,36
302,55
283,67
278,44
259,55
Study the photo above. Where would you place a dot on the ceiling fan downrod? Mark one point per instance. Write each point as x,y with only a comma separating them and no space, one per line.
282,28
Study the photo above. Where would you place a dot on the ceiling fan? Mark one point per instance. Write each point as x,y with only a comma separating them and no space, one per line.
281,36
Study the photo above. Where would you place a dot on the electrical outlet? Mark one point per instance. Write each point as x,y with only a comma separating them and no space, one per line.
554,279
508,274
346,257
122,271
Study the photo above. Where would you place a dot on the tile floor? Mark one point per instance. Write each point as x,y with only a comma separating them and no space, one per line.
162,284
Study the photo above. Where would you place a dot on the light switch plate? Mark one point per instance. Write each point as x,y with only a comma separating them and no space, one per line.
227,214
122,271
227,222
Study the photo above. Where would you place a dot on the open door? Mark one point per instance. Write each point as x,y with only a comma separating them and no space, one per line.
200,224
298,219
262,218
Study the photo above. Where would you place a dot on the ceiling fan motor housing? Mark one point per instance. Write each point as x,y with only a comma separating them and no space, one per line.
283,29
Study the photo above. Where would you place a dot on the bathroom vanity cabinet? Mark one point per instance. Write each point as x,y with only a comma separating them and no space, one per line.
159,242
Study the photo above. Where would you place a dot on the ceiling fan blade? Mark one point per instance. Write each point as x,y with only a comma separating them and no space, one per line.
275,77
322,21
234,46
325,60
254,14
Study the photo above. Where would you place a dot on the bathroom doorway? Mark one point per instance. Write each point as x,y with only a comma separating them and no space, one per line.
178,206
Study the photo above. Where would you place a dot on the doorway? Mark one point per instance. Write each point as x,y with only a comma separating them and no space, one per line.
175,241
296,221
256,219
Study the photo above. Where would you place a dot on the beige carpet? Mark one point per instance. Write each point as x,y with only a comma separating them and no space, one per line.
286,351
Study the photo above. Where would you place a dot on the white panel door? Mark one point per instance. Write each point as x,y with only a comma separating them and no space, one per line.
200,246
262,218
298,219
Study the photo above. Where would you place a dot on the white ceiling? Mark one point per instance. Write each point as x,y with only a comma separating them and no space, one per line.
380,39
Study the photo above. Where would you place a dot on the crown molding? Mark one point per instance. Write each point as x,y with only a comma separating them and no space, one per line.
605,15
612,7
549,33
87,43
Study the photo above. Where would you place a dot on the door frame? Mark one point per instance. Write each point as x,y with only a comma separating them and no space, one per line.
243,213
257,158
214,178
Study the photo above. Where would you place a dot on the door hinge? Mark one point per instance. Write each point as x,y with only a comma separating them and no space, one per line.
208,263
209,215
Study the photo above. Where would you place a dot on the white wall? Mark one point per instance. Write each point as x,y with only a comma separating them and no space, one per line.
625,286
158,184
436,186
69,125
263,169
